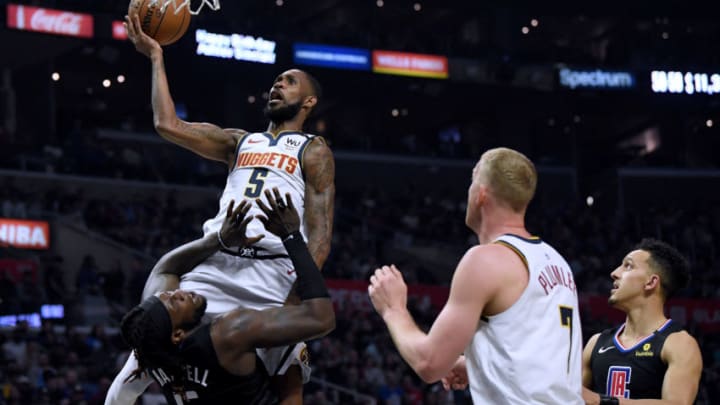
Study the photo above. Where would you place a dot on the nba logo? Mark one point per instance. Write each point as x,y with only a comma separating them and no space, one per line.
617,380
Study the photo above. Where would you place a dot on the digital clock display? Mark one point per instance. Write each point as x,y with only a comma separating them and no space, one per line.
677,82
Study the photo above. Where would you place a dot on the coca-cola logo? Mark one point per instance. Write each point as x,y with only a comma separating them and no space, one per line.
47,20
62,23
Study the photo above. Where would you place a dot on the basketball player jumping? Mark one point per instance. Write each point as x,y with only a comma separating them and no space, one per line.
216,363
513,306
261,275
649,359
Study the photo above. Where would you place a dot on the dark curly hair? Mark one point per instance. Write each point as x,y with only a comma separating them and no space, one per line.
152,345
672,266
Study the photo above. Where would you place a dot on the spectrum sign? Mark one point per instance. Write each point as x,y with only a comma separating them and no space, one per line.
595,79
410,64
59,22
331,56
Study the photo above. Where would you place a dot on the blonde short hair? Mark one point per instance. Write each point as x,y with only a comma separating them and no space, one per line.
510,175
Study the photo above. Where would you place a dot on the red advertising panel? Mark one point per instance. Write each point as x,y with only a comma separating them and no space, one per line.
17,269
355,293
49,21
119,31
410,64
25,234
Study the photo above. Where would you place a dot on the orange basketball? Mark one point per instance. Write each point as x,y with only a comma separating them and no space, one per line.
165,26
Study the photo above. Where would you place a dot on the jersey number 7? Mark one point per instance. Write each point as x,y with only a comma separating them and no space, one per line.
566,318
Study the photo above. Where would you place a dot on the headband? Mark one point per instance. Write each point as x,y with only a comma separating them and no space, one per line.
159,316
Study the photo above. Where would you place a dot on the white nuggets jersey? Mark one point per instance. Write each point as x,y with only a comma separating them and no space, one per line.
261,163
531,353
259,276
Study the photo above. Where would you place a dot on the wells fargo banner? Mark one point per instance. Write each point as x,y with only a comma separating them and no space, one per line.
25,234
59,22
410,64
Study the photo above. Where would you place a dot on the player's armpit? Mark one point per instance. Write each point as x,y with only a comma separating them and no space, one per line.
586,361
682,355
319,169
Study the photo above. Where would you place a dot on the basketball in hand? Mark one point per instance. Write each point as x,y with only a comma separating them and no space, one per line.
164,24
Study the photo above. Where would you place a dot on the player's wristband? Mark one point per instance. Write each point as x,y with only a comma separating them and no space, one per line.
608,400
310,283
221,241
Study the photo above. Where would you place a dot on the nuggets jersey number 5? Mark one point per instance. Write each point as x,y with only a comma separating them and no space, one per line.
531,352
264,161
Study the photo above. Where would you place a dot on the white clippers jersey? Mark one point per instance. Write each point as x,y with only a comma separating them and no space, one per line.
531,353
263,162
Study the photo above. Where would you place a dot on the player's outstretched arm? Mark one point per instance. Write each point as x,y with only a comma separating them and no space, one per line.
166,274
319,169
241,330
433,355
207,140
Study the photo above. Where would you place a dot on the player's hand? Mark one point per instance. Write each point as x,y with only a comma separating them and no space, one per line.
281,218
143,42
232,231
387,290
457,378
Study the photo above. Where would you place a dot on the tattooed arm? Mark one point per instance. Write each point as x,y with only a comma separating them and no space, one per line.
207,140
319,168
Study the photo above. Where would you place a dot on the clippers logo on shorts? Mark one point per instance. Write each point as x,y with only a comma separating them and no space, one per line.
617,381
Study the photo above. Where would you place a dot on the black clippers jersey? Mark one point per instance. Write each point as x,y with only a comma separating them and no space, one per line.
207,382
636,372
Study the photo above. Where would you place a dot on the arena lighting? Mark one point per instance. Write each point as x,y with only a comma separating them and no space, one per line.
380,3
417,6
525,30
55,76
709,123
590,201
279,3
676,82
534,22
121,79
106,83
395,112
251,99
